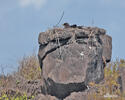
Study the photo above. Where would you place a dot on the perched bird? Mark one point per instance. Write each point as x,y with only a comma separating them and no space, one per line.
80,27
66,25
73,26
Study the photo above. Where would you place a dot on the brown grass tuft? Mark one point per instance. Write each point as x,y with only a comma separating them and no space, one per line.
29,67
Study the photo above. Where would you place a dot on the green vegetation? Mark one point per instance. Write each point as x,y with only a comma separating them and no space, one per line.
15,97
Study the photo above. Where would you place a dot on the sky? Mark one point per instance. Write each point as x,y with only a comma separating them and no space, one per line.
21,21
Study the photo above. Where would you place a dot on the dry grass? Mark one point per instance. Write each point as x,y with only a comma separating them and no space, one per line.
29,67
5,81
110,88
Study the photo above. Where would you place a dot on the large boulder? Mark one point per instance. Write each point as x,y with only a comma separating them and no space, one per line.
70,58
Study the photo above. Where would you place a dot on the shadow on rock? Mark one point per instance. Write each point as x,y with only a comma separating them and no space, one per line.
60,90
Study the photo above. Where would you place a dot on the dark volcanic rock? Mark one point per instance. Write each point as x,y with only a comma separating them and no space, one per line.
70,58
62,90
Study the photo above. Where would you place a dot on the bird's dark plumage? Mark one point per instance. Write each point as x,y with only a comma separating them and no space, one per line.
73,26
66,25
80,27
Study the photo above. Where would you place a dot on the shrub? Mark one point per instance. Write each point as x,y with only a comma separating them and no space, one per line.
29,67
110,88
6,82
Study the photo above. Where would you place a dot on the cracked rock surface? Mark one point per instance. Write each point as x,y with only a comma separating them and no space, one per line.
70,58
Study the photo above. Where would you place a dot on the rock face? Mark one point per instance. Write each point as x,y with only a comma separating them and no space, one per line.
70,58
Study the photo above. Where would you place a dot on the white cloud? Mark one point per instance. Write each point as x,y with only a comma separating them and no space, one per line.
35,3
